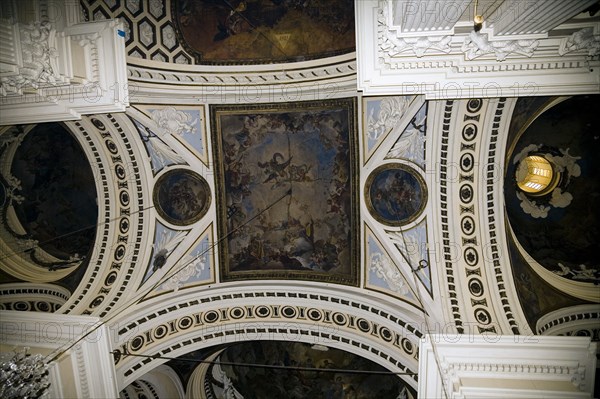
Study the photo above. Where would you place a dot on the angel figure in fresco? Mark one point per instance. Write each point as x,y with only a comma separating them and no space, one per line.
275,168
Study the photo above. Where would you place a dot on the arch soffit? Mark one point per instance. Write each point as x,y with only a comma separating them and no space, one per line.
315,313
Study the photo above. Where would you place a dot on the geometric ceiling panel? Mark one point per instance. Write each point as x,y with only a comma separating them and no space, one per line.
383,274
149,33
165,242
184,123
382,116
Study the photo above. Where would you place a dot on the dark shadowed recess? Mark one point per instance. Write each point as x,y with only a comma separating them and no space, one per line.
290,382
59,209
566,235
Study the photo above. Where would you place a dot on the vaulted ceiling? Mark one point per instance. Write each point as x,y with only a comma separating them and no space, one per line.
251,193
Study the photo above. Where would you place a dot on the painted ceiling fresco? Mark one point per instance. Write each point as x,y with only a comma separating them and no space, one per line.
181,196
257,383
395,194
58,207
263,31
288,190
559,231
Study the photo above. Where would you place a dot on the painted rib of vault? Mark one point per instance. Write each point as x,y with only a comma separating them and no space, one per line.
382,115
411,143
161,155
412,245
165,242
382,273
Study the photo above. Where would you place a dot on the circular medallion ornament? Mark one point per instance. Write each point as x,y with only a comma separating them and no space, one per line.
474,105
181,197
467,225
395,194
466,193
469,132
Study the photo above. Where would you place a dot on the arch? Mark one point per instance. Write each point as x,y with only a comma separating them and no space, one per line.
572,320
123,199
340,317
30,296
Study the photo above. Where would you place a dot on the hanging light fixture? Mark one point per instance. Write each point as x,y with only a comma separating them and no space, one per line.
23,375
477,19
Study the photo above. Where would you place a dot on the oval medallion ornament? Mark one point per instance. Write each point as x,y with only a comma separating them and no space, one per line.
181,197
395,194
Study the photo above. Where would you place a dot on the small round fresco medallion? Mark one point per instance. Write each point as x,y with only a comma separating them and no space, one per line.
181,197
395,194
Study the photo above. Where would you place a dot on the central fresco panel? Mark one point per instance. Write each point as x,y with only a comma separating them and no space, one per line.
287,187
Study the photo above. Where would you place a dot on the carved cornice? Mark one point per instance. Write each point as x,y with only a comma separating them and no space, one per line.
57,76
492,365
451,64
311,80
32,297
468,215
567,321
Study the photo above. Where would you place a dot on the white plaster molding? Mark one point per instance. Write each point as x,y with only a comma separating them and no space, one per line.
124,233
569,320
583,39
37,65
150,82
517,17
444,270
496,256
412,17
471,70
376,309
82,370
506,366
477,44
165,381
31,296
419,46
84,73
